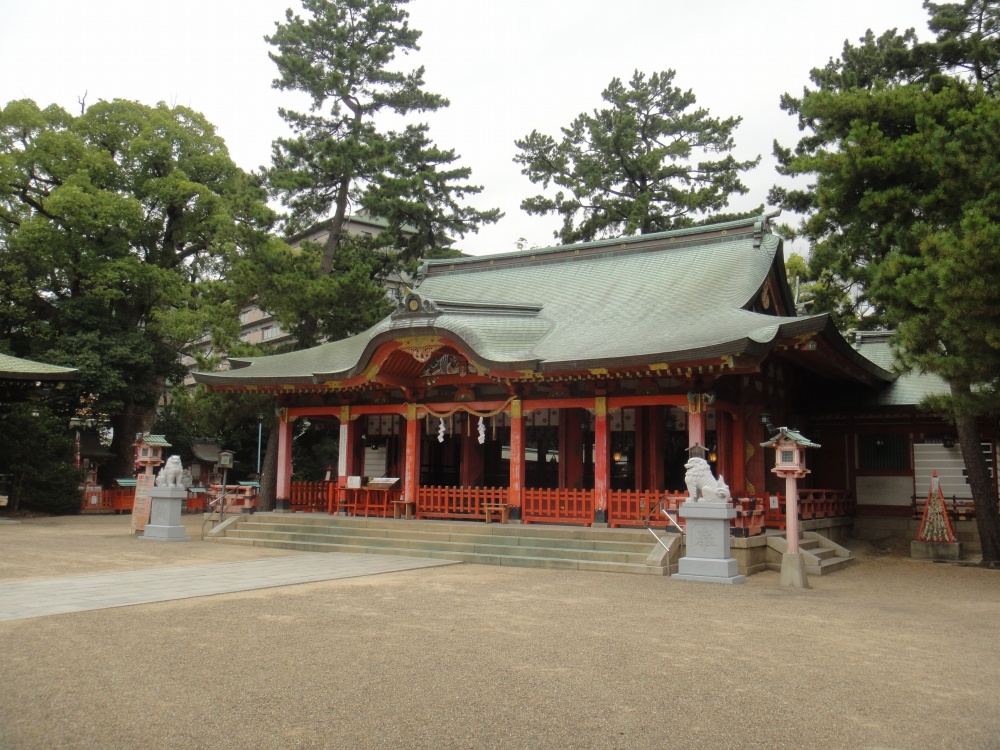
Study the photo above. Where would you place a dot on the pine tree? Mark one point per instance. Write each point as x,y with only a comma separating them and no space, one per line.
641,165
902,146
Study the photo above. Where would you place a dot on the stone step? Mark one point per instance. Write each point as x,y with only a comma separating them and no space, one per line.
524,530
828,565
821,556
639,546
480,546
569,548
469,557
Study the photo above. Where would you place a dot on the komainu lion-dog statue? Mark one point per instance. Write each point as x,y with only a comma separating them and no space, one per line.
701,485
172,473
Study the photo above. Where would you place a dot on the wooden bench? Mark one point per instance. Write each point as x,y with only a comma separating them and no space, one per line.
502,508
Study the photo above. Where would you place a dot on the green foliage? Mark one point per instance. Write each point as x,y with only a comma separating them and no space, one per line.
36,453
643,164
194,415
901,145
343,54
117,228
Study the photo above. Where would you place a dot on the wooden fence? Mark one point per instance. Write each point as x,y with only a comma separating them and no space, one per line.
558,506
121,499
458,502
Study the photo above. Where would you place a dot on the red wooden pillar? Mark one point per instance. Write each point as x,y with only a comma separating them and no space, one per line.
411,461
640,450
570,450
602,463
656,435
736,449
515,490
471,470
696,426
284,480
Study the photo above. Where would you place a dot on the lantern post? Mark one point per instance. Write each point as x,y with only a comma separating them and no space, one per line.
790,463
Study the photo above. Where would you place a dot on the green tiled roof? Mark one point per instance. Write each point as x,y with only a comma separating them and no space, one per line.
14,368
159,441
784,433
908,389
671,297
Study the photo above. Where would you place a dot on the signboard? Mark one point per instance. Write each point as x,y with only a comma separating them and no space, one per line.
140,507
773,499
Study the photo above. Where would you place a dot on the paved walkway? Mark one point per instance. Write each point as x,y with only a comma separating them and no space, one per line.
53,596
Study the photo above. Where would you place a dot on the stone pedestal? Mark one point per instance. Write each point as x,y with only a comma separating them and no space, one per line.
707,556
165,515
793,571
949,551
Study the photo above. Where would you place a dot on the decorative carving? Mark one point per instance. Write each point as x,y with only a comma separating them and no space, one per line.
422,353
449,364
701,485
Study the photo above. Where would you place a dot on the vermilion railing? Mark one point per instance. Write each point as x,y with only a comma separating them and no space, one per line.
121,500
309,497
458,502
558,506
631,507
362,501
116,500
812,504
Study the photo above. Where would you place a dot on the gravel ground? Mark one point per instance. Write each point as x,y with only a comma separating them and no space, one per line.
890,653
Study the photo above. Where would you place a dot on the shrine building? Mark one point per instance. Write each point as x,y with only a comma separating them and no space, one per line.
572,383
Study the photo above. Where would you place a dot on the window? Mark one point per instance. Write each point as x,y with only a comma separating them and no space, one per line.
271,332
884,452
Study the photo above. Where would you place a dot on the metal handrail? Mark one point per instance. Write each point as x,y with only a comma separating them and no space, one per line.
659,506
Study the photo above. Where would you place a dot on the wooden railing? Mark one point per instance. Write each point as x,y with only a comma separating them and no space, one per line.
309,497
458,502
363,501
632,507
558,506
121,500
812,504
958,508
117,500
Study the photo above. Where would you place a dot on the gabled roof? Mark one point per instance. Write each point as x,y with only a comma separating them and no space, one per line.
672,297
910,388
788,435
157,441
14,368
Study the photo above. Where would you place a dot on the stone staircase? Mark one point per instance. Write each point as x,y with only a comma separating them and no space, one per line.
822,556
529,546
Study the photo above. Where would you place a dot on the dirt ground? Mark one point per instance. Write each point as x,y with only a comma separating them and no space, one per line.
890,653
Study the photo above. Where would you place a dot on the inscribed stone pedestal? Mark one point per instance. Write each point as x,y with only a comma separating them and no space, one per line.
165,515
707,553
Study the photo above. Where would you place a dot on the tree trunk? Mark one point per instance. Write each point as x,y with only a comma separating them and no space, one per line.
269,471
983,496
133,420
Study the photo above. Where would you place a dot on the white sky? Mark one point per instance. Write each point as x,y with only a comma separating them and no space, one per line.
507,66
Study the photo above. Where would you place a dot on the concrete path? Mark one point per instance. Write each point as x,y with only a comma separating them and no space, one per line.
53,596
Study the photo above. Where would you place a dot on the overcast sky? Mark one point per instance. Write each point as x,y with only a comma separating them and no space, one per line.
507,66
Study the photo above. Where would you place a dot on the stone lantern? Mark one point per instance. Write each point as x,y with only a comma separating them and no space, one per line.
149,452
790,463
